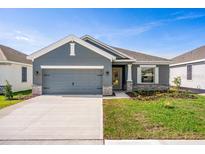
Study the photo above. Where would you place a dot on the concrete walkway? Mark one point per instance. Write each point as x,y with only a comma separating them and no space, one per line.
202,94
53,120
118,95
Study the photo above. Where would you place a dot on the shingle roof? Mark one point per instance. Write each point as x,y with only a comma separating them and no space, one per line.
140,56
7,53
196,54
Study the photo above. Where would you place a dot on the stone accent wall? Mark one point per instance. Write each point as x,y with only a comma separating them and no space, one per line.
150,87
129,86
107,90
36,90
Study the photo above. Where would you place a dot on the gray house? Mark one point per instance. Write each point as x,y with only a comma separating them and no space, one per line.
87,66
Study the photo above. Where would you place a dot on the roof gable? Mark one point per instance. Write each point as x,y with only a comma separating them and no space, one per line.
193,55
128,55
70,38
9,54
105,46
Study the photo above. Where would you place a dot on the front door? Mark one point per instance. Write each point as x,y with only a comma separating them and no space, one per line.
117,78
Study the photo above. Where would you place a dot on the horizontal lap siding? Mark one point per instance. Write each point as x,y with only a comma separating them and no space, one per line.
83,57
13,74
198,75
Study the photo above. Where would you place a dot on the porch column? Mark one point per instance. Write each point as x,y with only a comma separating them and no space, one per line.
129,78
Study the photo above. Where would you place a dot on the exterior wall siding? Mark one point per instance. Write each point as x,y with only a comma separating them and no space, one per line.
198,75
12,73
106,50
83,57
163,74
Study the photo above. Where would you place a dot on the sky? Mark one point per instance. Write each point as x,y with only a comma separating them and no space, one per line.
160,32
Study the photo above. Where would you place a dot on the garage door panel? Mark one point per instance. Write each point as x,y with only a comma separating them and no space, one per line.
72,81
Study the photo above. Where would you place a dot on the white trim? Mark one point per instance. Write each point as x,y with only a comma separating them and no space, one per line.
153,62
72,49
70,38
139,75
70,67
147,65
124,60
12,62
86,37
129,72
194,61
156,75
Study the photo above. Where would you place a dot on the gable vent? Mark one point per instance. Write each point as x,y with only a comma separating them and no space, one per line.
72,49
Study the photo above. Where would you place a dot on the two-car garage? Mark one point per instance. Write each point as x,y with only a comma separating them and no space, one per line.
72,66
72,80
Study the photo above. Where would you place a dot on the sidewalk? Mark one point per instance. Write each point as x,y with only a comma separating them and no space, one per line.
154,142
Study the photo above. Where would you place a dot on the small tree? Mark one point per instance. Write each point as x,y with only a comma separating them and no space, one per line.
8,91
177,82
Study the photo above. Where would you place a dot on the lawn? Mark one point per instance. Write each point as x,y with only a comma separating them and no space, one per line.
18,97
137,119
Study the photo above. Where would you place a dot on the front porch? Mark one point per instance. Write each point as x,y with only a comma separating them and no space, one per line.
122,77
129,77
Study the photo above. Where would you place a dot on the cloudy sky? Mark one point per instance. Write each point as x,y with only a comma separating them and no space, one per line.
161,32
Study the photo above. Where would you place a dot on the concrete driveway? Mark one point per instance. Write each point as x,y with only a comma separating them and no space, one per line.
53,120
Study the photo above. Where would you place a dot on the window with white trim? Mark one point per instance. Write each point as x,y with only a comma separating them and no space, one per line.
147,74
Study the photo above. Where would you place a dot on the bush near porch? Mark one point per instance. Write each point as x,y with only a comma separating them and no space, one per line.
156,94
161,118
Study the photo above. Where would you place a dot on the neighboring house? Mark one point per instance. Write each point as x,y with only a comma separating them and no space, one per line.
15,68
190,67
87,66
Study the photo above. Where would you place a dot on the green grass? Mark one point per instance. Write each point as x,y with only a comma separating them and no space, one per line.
134,119
18,97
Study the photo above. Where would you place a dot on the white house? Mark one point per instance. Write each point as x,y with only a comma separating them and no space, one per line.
190,67
15,68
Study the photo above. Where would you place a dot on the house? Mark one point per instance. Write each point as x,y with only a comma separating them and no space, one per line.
15,68
88,66
190,67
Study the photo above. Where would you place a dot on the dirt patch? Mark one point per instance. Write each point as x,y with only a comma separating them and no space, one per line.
140,117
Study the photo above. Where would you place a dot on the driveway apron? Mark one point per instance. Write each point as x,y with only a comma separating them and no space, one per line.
53,118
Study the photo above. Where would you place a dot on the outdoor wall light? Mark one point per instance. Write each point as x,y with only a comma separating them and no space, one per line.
36,72
107,72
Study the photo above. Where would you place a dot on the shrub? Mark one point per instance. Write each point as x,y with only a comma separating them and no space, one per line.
146,92
181,94
177,82
8,91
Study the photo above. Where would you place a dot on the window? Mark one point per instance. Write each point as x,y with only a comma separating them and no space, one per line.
24,74
147,75
189,72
